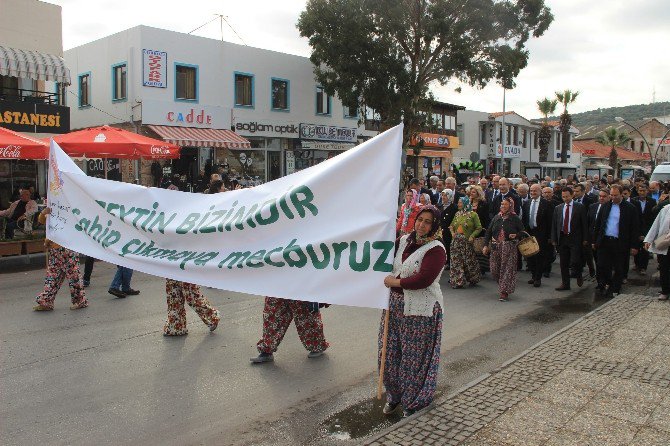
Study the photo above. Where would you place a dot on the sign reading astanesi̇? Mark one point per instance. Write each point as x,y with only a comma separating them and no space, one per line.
307,236
154,68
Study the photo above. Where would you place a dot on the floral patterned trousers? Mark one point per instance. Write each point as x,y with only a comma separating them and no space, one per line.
464,266
277,316
177,292
504,265
62,264
412,355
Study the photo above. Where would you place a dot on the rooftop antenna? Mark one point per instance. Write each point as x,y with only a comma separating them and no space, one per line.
221,19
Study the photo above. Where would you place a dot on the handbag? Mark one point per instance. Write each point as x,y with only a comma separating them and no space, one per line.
528,246
478,244
663,242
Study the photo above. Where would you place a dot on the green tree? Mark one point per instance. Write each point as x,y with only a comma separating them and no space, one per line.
386,54
613,138
566,97
547,107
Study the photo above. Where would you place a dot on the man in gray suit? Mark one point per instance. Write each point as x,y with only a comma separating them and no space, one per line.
569,234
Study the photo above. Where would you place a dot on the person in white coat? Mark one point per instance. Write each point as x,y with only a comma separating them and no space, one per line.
661,228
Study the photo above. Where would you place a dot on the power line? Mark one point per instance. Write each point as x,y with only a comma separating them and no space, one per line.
204,24
230,26
96,108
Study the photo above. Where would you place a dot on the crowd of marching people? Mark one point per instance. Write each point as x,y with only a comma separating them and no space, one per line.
483,226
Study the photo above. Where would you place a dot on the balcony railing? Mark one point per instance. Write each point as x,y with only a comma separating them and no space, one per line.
32,96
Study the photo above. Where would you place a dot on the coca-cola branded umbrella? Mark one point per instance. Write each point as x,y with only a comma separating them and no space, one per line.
112,142
14,145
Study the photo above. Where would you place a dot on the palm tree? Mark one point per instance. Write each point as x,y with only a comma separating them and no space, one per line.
546,107
566,97
613,138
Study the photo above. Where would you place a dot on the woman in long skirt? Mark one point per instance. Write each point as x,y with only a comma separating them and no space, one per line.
503,236
415,316
464,228
481,207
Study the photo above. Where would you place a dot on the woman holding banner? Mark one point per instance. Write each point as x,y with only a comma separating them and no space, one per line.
61,264
414,320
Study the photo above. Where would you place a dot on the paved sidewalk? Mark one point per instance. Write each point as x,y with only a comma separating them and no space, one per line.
603,380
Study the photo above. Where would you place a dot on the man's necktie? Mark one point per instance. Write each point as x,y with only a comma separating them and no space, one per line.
566,220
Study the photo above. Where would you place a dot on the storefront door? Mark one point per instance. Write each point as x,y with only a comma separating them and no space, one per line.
274,165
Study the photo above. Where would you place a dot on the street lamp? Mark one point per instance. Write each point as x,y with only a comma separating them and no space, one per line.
652,156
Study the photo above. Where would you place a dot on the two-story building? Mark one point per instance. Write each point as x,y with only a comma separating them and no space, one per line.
253,114
33,78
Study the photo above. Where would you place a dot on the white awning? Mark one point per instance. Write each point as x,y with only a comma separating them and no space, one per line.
632,166
558,165
603,166
33,65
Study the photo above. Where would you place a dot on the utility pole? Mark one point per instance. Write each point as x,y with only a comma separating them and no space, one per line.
504,137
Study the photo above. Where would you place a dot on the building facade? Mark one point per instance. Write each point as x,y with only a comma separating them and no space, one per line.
194,91
481,139
33,77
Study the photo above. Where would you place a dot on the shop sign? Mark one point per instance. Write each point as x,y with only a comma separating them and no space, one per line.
662,142
327,133
13,152
154,72
317,145
434,140
588,151
184,115
510,151
34,118
266,128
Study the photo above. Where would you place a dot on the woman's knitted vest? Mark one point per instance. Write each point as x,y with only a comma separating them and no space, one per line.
417,302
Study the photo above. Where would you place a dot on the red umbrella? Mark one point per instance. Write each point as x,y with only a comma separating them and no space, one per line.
112,142
14,145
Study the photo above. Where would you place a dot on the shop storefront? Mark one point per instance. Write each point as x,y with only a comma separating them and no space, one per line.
26,107
435,157
207,146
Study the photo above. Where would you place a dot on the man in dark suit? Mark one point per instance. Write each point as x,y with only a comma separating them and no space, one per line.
644,205
593,212
580,195
548,195
537,214
450,183
569,232
617,233
493,191
505,191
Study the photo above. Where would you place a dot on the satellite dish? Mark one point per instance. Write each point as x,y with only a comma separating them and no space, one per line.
474,157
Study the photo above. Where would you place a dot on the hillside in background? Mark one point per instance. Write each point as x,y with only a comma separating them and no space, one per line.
628,112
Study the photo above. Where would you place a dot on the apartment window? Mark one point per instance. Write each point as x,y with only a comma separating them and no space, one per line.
280,94
524,138
85,90
449,122
632,145
119,84
641,146
482,134
351,112
244,90
515,139
461,134
323,102
186,82
437,120
508,134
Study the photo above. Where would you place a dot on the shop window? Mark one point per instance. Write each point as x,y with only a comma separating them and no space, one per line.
244,90
119,82
85,90
323,102
186,82
280,94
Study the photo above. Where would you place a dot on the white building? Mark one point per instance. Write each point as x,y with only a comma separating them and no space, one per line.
481,135
193,91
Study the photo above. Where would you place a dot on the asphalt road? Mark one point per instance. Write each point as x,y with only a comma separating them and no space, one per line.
106,375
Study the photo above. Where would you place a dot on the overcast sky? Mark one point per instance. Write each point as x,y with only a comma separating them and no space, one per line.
613,51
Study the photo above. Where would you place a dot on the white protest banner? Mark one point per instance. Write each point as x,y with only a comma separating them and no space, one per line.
324,234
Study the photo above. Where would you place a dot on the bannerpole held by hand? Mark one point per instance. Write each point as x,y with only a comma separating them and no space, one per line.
382,364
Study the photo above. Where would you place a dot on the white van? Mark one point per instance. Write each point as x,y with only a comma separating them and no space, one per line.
661,172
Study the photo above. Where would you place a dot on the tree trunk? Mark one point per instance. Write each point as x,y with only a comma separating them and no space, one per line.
613,161
566,123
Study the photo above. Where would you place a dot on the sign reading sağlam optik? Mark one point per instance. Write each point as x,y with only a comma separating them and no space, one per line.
306,236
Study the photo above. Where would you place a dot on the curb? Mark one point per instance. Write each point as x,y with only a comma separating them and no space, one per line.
487,375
